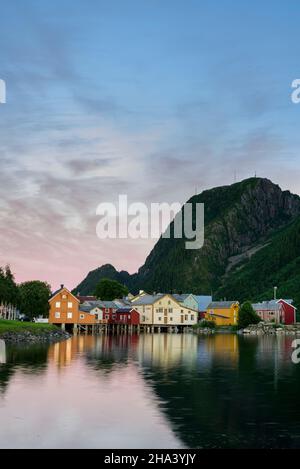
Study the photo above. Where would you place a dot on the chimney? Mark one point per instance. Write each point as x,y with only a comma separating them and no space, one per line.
62,286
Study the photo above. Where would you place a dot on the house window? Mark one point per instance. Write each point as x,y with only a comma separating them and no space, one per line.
57,304
64,297
159,318
57,315
192,317
186,317
107,316
70,315
106,310
128,317
143,318
181,311
169,302
170,310
82,316
171,319
70,304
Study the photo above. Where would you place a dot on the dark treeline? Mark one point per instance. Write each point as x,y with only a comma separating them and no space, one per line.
9,291
31,298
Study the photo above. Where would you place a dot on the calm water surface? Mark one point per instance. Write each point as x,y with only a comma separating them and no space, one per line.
150,391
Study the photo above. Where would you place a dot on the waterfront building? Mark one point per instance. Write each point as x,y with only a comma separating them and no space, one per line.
126,316
66,311
187,299
278,311
163,310
223,313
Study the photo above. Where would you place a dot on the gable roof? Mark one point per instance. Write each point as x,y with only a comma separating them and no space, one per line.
108,304
203,301
125,310
59,291
289,302
181,297
148,299
122,302
221,304
139,295
271,305
85,308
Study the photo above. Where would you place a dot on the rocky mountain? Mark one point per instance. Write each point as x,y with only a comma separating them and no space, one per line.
88,285
244,224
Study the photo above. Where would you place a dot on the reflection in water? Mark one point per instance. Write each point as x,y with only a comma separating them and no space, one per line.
2,352
151,390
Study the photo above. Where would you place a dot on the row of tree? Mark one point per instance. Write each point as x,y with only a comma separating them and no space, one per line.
31,298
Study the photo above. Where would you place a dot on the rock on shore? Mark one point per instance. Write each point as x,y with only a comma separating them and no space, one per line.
35,338
263,328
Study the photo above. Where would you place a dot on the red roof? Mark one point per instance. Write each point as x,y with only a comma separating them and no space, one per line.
82,299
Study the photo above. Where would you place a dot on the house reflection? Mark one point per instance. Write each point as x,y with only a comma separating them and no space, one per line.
164,350
223,347
64,353
168,350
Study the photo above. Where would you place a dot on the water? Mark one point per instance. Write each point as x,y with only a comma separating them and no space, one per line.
150,391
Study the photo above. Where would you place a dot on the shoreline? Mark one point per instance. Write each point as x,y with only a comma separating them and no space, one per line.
254,329
27,332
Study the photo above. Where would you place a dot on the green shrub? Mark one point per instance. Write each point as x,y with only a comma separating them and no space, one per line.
247,315
204,324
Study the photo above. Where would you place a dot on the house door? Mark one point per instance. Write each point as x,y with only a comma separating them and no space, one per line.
182,319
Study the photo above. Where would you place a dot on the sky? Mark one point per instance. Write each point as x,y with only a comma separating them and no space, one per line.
153,99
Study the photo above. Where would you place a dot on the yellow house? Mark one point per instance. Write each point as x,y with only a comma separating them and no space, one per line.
223,313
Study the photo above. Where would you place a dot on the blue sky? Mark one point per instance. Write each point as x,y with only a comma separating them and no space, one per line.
149,98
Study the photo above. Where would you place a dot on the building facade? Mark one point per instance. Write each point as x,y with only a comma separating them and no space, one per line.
223,313
278,311
289,311
163,310
127,317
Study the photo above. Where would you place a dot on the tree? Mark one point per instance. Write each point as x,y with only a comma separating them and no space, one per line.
9,293
34,298
108,290
247,315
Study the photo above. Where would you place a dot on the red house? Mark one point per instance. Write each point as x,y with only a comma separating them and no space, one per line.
127,316
288,311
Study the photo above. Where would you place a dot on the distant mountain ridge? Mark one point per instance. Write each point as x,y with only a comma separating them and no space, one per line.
244,223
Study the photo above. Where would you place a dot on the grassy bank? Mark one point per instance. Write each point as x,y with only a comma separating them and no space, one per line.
19,327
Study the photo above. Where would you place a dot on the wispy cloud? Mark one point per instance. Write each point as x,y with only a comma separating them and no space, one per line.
155,101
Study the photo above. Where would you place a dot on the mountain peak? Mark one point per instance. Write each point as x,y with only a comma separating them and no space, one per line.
239,218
